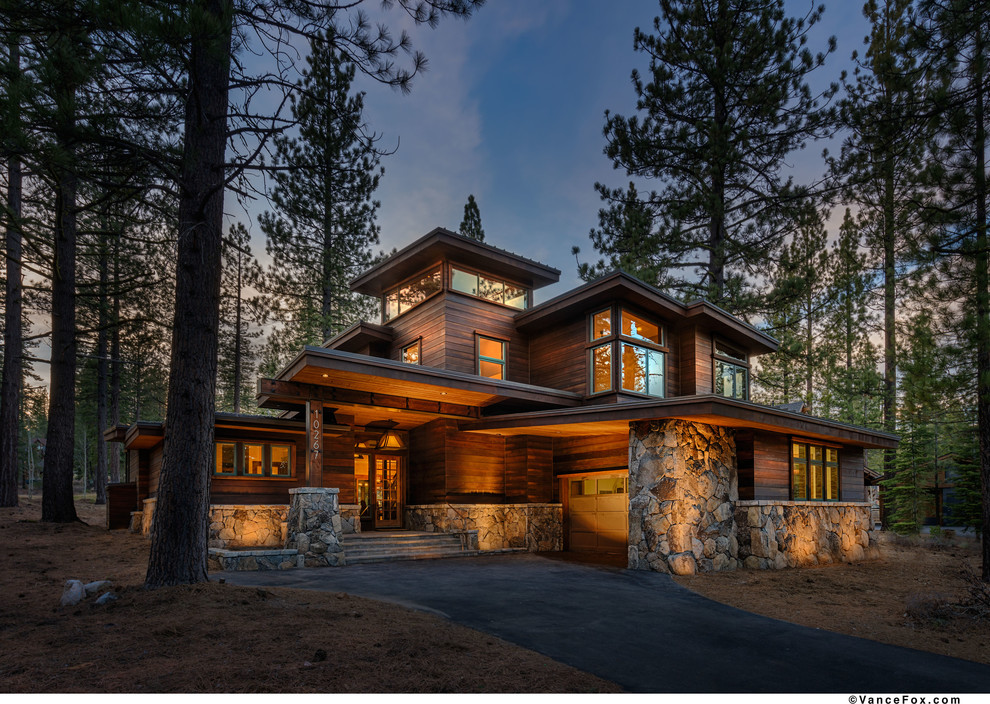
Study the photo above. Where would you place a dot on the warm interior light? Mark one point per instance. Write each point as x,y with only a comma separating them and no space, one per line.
325,376
391,440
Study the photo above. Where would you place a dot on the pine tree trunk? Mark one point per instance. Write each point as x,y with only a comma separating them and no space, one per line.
56,488
982,291
237,338
180,528
102,374
115,361
889,313
10,384
809,357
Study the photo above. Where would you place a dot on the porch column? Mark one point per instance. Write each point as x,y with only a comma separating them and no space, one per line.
314,443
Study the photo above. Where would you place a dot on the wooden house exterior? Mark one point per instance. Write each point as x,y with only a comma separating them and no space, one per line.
467,395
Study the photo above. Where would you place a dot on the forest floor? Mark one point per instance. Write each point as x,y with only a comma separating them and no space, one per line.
221,638
916,596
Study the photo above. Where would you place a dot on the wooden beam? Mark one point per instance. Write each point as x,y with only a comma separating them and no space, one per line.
276,393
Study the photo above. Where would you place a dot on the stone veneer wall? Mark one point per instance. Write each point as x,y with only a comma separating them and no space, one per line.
248,526
777,534
315,527
350,518
682,483
533,527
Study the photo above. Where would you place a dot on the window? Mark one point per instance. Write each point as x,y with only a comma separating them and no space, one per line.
731,372
489,289
491,357
406,297
638,349
814,472
410,354
253,459
603,485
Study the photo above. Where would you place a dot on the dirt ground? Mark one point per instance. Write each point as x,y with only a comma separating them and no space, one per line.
222,638
915,596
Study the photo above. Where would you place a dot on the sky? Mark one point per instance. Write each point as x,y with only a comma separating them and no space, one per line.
511,110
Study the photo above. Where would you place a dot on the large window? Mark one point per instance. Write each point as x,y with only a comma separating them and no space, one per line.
253,459
636,344
491,357
731,371
814,472
488,288
406,297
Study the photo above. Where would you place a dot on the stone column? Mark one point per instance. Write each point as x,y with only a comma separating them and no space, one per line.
314,526
682,482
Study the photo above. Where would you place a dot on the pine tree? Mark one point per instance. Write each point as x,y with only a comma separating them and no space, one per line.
723,105
323,227
471,224
238,322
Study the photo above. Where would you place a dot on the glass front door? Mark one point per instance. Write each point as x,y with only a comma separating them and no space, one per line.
388,492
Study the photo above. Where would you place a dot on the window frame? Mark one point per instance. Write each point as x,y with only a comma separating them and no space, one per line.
451,266
504,362
615,339
418,344
266,460
435,268
739,362
825,464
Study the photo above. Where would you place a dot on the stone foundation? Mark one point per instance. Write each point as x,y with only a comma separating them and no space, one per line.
682,482
314,526
253,560
248,526
350,518
777,534
531,527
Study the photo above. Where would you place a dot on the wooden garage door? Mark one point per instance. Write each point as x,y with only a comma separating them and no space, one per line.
598,514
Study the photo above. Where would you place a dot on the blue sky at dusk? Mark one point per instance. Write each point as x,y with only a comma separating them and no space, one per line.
512,109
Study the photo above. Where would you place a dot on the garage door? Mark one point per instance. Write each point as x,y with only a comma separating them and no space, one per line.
598,514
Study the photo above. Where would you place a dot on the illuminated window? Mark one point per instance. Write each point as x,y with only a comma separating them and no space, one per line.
489,288
491,357
253,460
814,472
411,353
636,347
600,486
410,294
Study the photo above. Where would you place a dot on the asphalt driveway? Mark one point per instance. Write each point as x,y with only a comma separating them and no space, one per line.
638,629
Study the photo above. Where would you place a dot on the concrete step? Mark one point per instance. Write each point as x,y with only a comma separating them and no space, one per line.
395,557
401,545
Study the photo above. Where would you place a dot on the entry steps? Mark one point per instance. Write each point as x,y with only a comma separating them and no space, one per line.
390,546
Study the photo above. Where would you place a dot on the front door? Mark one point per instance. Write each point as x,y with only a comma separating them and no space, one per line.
387,491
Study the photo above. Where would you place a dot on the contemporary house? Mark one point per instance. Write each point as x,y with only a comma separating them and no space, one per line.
611,418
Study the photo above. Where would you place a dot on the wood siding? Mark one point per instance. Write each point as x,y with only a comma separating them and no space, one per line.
695,363
528,469
466,316
558,357
590,454
121,500
427,321
427,482
154,470
769,477
852,486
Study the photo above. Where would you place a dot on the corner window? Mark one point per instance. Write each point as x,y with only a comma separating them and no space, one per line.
730,371
491,357
253,460
406,297
489,288
814,472
636,347
410,354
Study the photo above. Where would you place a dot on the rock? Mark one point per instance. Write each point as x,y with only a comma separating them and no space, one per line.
698,548
680,537
106,598
94,587
752,563
720,562
73,593
682,564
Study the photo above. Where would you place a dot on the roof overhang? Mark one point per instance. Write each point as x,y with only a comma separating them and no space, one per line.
622,286
358,335
143,435
443,244
411,394
714,410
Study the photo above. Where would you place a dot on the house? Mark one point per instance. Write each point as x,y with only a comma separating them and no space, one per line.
611,418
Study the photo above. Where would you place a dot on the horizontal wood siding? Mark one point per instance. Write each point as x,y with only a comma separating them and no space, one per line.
744,462
558,357
427,321
673,362
528,469
852,487
154,470
121,500
338,466
463,317
590,454
427,459
475,467
771,466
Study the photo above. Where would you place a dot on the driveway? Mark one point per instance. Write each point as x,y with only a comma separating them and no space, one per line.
638,629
